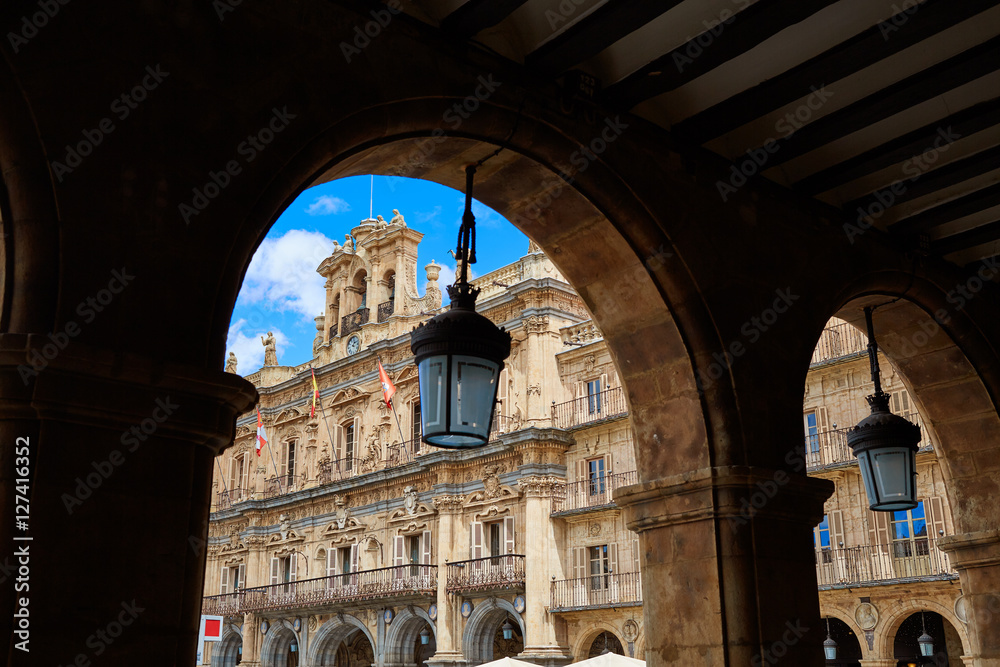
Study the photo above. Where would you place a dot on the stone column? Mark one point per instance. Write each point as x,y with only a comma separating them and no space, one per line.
976,557
541,645
448,653
728,573
251,641
121,452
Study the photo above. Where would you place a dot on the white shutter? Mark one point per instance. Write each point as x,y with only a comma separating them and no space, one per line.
275,570
579,562
604,381
508,534
501,407
581,471
224,581
476,540
331,562
425,542
608,466
636,557
613,558
399,551
837,529
935,518
241,576
293,567
338,442
354,558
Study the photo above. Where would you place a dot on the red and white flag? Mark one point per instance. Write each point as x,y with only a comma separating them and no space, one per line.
261,435
388,388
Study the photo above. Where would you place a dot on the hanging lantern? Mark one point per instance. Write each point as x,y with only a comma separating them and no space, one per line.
829,646
294,647
925,641
425,637
886,445
459,356
508,629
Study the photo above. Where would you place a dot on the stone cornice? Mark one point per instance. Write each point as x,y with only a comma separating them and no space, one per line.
971,550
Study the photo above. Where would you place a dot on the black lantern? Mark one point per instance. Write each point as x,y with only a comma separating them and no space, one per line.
294,647
508,629
829,646
425,636
925,641
886,445
459,356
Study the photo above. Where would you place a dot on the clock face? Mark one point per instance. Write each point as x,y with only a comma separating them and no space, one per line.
353,344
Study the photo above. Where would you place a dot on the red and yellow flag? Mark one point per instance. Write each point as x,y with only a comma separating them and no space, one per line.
388,388
315,393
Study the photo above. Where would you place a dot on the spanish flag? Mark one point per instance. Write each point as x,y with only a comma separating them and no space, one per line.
315,393
261,435
388,389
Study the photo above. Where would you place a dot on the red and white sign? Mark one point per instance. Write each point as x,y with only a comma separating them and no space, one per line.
211,628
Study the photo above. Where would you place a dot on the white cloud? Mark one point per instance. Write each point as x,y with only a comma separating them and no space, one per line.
327,205
248,347
282,275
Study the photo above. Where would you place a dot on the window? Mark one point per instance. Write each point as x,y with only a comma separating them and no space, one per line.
231,579
495,532
821,534
812,433
284,569
599,565
345,559
415,426
288,460
349,446
596,476
594,396
908,529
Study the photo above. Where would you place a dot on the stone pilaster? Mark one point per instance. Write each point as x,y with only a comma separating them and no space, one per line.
729,573
976,557
541,645
449,653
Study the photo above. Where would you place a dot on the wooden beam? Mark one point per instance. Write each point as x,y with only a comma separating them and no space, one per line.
477,15
973,202
967,66
963,123
713,47
864,49
967,239
594,33
917,183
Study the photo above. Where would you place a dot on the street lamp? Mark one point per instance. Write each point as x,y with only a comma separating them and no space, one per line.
925,641
459,356
886,445
829,646
508,629
425,636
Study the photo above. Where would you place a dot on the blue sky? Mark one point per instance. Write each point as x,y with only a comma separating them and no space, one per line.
282,292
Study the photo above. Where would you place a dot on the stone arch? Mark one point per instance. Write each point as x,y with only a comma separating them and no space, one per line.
849,620
402,633
229,648
277,643
326,640
481,627
894,615
582,647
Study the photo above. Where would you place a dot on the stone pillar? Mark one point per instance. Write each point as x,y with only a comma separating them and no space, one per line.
976,557
448,653
121,452
251,641
541,644
729,573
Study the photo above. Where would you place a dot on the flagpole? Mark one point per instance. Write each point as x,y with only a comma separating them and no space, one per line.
222,476
328,431
271,454
402,440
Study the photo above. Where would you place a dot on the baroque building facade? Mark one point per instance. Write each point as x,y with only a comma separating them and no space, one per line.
349,542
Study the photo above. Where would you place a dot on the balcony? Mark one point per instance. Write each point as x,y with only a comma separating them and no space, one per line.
590,494
910,560
282,484
351,323
385,310
840,340
402,583
501,424
333,331
586,409
493,573
619,589
830,447
222,605
228,498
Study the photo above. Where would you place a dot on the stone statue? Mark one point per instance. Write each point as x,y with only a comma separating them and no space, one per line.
380,222
231,363
397,218
270,351
336,247
348,243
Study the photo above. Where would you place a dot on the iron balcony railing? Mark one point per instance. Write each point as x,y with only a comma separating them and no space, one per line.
483,574
838,341
830,447
351,323
365,585
597,590
591,408
501,424
222,605
333,331
385,310
282,484
228,498
597,491
903,559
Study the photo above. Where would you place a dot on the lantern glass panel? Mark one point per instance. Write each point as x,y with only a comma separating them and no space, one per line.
888,477
432,377
831,652
474,382
926,646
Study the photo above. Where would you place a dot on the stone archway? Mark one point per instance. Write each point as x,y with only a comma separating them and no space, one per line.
402,638
482,626
276,649
895,615
586,639
229,651
330,637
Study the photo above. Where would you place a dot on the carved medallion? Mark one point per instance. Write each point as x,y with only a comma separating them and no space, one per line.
866,615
